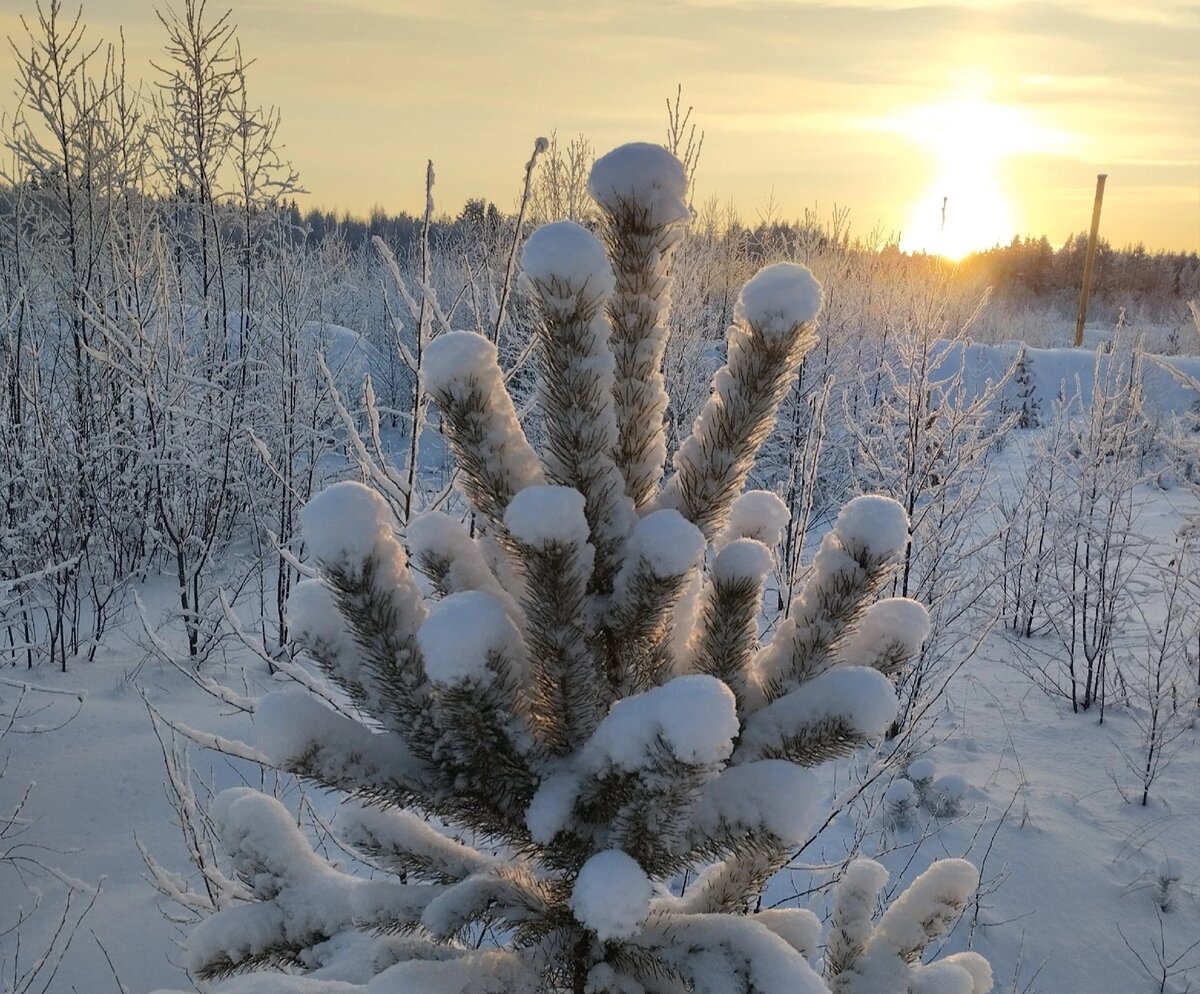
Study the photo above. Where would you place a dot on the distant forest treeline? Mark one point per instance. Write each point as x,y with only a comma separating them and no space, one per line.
1027,270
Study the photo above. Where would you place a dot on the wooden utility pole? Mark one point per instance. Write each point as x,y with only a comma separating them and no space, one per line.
1086,289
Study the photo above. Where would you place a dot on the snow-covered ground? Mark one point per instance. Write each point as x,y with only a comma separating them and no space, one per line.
1070,862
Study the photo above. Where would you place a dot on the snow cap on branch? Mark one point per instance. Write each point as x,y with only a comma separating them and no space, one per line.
892,624
313,617
404,841
742,559
440,541
550,809
611,895
694,716
757,514
542,515
460,635
852,923
455,357
566,259
864,700
798,927
292,724
874,524
900,802
345,523
928,906
479,971
779,298
644,174
770,795
667,542
480,421
258,832
436,533
974,966
307,896
921,769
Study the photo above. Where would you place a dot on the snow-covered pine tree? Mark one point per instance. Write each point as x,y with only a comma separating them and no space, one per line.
580,712
1030,410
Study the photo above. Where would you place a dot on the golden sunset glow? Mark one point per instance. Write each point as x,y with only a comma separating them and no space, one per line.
966,207
963,212
1001,111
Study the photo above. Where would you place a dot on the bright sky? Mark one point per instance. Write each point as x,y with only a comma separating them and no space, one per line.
1002,113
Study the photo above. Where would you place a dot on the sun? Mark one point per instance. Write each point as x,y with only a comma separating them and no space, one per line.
963,211
966,207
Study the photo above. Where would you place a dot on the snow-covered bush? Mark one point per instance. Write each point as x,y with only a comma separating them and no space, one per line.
948,794
583,713
1080,559
924,439
900,803
921,772
942,798
1166,884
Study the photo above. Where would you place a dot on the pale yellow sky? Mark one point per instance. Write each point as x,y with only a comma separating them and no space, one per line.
1010,109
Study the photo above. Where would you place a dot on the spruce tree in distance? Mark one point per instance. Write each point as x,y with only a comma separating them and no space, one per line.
582,712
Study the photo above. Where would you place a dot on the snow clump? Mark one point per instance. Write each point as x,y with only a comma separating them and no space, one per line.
862,698
874,524
462,633
550,809
566,259
771,795
345,524
895,625
645,174
667,542
546,515
757,514
778,299
742,559
950,792
612,895
694,716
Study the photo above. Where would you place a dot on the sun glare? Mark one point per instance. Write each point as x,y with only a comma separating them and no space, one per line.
966,208
962,212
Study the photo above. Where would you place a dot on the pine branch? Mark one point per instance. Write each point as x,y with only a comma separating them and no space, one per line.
386,676
478,419
453,561
279,956
662,552
852,923
850,567
567,692
408,845
642,193
476,748
774,329
728,624
567,267
822,719
507,896
730,885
